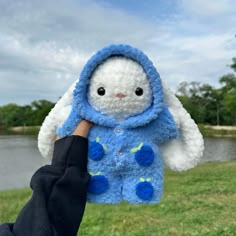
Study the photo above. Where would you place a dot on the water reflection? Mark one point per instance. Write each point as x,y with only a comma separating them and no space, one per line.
20,158
219,149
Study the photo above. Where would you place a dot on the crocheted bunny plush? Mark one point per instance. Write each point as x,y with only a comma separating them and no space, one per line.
136,127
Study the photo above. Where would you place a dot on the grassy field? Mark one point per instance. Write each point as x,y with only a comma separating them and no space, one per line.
201,201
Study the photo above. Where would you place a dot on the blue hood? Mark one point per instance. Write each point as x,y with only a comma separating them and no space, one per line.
84,109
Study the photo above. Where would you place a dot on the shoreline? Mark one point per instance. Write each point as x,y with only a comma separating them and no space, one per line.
21,130
206,130
214,131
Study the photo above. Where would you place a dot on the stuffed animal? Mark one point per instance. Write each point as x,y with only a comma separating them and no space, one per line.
139,126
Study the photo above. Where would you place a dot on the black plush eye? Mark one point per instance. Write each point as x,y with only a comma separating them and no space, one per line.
139,91
101,91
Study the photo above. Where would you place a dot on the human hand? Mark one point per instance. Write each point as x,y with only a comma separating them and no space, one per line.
82,129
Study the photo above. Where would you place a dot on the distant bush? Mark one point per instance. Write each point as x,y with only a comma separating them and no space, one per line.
30,115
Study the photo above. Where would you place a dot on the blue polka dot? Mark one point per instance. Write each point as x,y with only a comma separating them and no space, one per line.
144,190
96,151
98,184
145,156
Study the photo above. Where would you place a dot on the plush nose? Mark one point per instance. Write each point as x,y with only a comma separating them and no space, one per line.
120,95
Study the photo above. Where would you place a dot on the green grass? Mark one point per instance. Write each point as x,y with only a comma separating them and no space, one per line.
201,201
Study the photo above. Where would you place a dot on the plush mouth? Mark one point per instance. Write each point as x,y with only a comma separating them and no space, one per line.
120,95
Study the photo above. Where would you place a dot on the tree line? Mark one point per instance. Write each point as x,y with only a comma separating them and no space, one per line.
209,105
28,115
206,104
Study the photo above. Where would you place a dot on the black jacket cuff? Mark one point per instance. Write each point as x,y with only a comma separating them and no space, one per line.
71,151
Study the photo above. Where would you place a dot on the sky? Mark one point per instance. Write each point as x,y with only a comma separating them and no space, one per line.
45,44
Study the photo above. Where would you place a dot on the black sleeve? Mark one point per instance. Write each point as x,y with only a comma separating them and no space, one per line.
59,194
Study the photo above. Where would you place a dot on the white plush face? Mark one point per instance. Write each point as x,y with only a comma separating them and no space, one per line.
119,88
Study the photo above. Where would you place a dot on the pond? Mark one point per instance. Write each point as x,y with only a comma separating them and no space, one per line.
20,158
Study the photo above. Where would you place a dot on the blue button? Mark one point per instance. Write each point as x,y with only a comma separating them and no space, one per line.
118,130
120,153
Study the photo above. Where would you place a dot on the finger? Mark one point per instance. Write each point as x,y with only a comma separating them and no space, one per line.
83,128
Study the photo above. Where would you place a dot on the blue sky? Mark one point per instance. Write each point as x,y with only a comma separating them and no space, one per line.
44,44
150,9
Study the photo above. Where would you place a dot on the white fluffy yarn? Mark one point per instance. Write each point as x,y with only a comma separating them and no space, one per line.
119,75
180,154
186,151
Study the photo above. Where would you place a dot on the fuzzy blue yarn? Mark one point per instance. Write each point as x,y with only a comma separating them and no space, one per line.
119,168
89,113
98,184
70,124
81,107
96,151
144,190
145,156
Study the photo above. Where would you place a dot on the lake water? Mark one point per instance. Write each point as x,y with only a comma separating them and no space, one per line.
20,158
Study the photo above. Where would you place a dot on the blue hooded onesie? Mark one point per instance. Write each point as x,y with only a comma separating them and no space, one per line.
124,158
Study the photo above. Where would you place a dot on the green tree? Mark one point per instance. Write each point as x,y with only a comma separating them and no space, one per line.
40,110
196,100
10,115
34,114
233,65
209,105
229,98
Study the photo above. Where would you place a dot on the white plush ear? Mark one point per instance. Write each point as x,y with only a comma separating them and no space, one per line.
55,118
186,151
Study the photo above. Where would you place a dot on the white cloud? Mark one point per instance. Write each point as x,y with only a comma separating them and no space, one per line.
209,7
41,43
196,58
44,44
